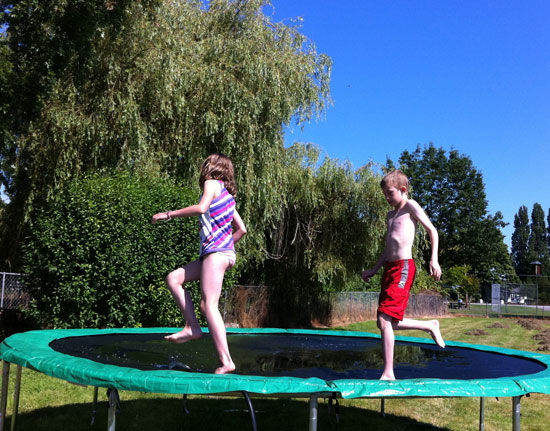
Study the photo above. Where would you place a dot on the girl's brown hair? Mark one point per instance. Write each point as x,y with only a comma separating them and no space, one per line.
219,167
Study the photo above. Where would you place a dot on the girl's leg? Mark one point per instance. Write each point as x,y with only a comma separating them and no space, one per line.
213,270
388,342
429,326
175,281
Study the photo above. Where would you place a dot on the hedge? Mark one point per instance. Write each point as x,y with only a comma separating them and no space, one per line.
94,259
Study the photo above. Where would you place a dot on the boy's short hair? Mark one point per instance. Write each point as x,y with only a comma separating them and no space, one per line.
396,179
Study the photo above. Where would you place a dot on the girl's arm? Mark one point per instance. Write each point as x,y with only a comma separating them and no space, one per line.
211,188
239,229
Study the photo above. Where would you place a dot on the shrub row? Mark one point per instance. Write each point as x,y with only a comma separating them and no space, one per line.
94,259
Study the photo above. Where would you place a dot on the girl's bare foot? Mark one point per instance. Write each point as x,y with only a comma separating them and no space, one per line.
224,369
387,377
436,334
186,334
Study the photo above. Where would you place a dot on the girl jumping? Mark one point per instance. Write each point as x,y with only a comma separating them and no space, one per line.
220,228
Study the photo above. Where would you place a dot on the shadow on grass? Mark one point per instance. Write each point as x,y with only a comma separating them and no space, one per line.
212,414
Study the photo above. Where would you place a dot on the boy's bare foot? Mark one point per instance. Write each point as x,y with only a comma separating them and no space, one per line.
436,334
387,377
186,334
224,369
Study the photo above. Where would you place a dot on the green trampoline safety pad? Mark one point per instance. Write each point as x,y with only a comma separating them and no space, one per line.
277,361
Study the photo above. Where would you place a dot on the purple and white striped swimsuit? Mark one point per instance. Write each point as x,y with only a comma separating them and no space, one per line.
215,224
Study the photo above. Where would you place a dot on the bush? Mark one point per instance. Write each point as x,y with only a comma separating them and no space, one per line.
95,260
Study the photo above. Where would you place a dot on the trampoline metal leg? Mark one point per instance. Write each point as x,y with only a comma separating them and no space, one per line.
333,399
94,405
313,407
114,405
16,393
111,421
185,409
481,414
383,407
516,412
250,409
4,395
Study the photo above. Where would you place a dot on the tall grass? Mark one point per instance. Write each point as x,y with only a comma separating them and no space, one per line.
50,404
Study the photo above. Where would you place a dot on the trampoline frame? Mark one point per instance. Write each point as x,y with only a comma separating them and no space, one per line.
513,388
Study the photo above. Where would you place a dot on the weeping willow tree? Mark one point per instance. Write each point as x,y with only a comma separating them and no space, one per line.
153,87
331,228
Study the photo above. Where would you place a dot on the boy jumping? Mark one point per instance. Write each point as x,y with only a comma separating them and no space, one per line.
399,268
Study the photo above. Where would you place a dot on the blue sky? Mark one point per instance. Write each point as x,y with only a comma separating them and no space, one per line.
467,75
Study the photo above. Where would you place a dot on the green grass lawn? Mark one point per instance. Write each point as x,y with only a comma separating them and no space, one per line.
50,404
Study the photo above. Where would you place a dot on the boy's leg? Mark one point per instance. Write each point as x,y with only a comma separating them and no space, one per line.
175,281
429,326
388,340
213,270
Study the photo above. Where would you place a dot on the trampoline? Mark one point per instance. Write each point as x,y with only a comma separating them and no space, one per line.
273,362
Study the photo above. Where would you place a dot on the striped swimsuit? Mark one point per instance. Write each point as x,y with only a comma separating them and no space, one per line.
215,225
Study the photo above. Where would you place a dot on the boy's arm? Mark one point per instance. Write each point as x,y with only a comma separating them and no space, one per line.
418,213
366,275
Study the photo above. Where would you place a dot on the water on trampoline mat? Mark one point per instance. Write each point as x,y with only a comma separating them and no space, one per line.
296,355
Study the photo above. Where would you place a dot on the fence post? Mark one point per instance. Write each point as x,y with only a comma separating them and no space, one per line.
349,307
537,307
3,284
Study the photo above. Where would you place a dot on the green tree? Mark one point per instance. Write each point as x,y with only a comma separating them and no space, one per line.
461,279
154,87
520,241
530,243
5,78
493,263
332,227
452,192
538,238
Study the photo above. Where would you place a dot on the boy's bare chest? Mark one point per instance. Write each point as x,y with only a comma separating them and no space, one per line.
401,222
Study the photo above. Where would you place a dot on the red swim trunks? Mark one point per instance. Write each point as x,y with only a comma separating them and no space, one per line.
397,280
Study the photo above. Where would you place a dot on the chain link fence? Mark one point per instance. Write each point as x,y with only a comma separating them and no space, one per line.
14,295
350,307
525,299
245,306
248,306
